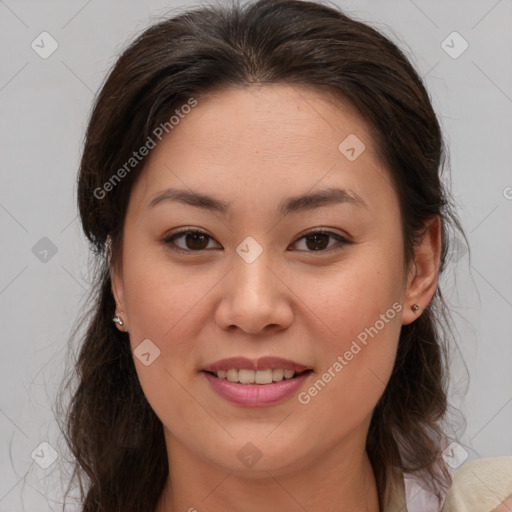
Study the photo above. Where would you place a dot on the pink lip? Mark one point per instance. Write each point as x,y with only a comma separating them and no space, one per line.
254,395
264,363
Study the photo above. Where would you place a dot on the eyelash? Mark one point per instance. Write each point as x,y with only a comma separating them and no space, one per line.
169,240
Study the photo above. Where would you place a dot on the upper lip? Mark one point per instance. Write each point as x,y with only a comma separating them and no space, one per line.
263,363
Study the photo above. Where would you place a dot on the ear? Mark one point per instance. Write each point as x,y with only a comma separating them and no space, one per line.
117,289
423,276
116,279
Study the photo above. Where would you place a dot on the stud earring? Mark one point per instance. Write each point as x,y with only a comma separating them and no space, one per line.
118,320
415,307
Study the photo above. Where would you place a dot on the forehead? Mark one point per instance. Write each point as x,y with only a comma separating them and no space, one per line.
263,142
276,120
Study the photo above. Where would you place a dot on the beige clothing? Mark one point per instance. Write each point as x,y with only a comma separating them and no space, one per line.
481,485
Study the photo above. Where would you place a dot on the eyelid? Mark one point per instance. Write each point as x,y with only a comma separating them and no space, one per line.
168,240
342,239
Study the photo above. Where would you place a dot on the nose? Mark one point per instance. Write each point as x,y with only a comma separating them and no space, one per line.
255,297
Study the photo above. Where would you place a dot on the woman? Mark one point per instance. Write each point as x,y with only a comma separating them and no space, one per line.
261,185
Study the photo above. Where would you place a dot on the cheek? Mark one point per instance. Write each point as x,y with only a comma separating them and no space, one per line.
361,306
160,305
159,293
354,295
168,304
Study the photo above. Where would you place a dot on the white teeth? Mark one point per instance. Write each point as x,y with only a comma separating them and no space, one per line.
263,377
246,376
277,375
232,375
252,376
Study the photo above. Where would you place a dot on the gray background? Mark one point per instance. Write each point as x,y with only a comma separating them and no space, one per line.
45,105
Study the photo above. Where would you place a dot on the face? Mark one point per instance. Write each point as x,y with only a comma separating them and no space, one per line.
317,282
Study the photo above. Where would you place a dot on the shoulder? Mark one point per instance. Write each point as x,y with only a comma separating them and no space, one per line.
481,485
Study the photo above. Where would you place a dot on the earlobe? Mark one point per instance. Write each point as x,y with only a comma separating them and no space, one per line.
422,283
117,291
119,318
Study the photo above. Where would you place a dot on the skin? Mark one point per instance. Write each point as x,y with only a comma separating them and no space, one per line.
254,147
506,506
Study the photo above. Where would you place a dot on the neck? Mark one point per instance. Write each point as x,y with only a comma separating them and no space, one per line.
337,481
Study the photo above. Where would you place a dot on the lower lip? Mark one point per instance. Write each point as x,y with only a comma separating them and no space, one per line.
254,395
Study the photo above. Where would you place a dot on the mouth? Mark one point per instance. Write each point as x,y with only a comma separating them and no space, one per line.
259,382
256,388
262,377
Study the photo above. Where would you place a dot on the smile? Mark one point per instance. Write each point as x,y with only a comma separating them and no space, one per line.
252,394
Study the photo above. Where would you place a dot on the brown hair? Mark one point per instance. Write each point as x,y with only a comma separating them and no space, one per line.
114,435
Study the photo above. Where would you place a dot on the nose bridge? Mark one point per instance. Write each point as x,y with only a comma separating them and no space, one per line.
251,270
254,296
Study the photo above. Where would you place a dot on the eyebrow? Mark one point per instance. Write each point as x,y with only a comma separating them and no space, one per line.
295,204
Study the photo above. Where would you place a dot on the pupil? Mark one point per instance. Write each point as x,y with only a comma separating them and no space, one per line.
196,237
317,239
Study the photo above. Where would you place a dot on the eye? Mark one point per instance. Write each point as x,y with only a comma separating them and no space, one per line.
317,241
196,241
